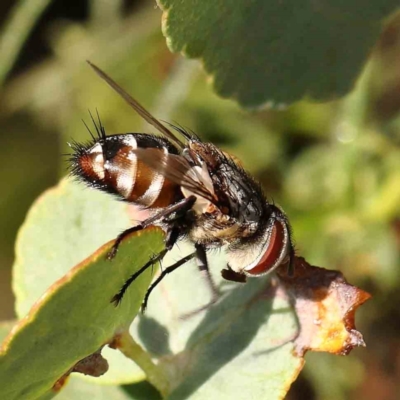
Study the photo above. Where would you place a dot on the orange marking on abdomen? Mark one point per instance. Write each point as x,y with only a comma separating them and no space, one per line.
167,195
164,192
86,164
144,178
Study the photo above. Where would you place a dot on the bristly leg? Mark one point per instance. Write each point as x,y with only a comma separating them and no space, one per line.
168,270
118,297
113,252
181,207
172,237
202,265
290,268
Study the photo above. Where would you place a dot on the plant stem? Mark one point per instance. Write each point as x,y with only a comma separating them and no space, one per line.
135,352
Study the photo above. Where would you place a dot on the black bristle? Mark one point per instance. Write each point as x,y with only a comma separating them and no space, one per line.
99,133
81,149
188,134
101,126
88,129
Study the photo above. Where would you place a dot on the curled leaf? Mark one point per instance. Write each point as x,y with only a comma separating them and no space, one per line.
325,305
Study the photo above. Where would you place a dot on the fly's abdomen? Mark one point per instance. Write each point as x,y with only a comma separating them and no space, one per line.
112,166
147,187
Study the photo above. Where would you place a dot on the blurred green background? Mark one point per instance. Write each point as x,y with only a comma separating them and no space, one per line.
333,167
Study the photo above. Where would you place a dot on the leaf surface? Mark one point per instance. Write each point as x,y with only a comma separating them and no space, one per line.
73,319
64,226
264,51
240,348
246,345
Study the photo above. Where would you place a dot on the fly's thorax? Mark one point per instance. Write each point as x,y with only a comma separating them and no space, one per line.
199,173
216,228
204,152
266,252
237,193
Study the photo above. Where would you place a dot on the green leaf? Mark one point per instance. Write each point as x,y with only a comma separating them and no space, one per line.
5,328
74,318
261,51
78,389
66,225
239,348
242,341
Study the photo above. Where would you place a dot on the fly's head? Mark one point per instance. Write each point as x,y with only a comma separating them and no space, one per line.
271,247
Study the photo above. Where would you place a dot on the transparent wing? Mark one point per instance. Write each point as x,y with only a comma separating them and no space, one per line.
137,106
177,169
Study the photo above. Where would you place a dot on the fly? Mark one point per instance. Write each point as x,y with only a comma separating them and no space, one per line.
190,189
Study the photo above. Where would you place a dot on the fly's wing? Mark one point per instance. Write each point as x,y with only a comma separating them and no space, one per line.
137,106
177,169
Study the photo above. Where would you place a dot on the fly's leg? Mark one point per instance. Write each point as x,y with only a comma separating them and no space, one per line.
117,298
113,252
202,265
180,207
167,271
172,237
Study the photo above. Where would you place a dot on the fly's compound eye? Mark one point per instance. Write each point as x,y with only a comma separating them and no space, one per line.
275,250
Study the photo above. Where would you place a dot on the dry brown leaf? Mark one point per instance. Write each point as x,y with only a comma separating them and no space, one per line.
94,365
325,305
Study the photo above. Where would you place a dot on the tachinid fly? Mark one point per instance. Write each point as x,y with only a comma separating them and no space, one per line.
191,189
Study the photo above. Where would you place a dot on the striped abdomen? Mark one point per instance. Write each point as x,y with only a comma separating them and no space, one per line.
111,165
